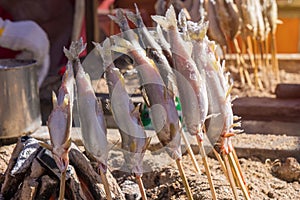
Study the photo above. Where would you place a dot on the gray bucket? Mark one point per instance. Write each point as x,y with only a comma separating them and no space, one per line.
19,104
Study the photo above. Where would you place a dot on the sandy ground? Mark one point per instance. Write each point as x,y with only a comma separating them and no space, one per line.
162,181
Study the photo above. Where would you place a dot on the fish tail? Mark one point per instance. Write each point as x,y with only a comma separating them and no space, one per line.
120,19
136,17
76,48
121,45
167,22
105,52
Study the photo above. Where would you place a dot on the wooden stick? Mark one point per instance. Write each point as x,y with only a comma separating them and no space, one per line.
274,57
240,180
243,68
230,176
238,165
223,167
207,170
106,185
141,187
184,179
190,151
62,185
258,62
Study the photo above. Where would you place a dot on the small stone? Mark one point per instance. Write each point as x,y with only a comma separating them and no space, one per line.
271,194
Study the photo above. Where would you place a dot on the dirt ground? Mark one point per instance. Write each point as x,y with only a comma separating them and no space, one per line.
163,181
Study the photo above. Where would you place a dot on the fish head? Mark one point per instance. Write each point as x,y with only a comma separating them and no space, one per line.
61,158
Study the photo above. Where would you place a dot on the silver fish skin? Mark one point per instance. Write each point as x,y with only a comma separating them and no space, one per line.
162,106
159,37
126,115
153,49
126,31
189,82
60,119
92,123
219,100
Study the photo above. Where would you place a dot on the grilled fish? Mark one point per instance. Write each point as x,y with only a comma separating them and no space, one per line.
126,115
93,127
192,89
162,106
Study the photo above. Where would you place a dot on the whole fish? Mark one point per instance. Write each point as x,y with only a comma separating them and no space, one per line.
214,29
126,115
218,90
60,119
92,123
163,111
153,49
192,89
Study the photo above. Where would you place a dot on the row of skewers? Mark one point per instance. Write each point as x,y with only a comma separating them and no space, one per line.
176,59
246,28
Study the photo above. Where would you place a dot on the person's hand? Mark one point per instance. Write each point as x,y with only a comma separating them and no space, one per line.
28,37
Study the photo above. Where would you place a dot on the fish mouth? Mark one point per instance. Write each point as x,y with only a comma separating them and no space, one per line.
62,162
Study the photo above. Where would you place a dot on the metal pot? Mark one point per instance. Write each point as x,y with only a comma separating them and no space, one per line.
19,103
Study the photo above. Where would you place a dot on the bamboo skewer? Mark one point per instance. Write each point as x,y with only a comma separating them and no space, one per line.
274,57
141,187
106,185
257,84
184,179
62,186
239,178
223,167
230,176
206,166
243,69
190,151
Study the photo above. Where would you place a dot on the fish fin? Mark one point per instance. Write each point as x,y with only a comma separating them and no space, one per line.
279,21
54,99
136,111
120,19
121,45
171,16
228,92
67,144
168,21
161,20
132,17
212,116
76,48
46,146
113,18
105,52
136,17
66,101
